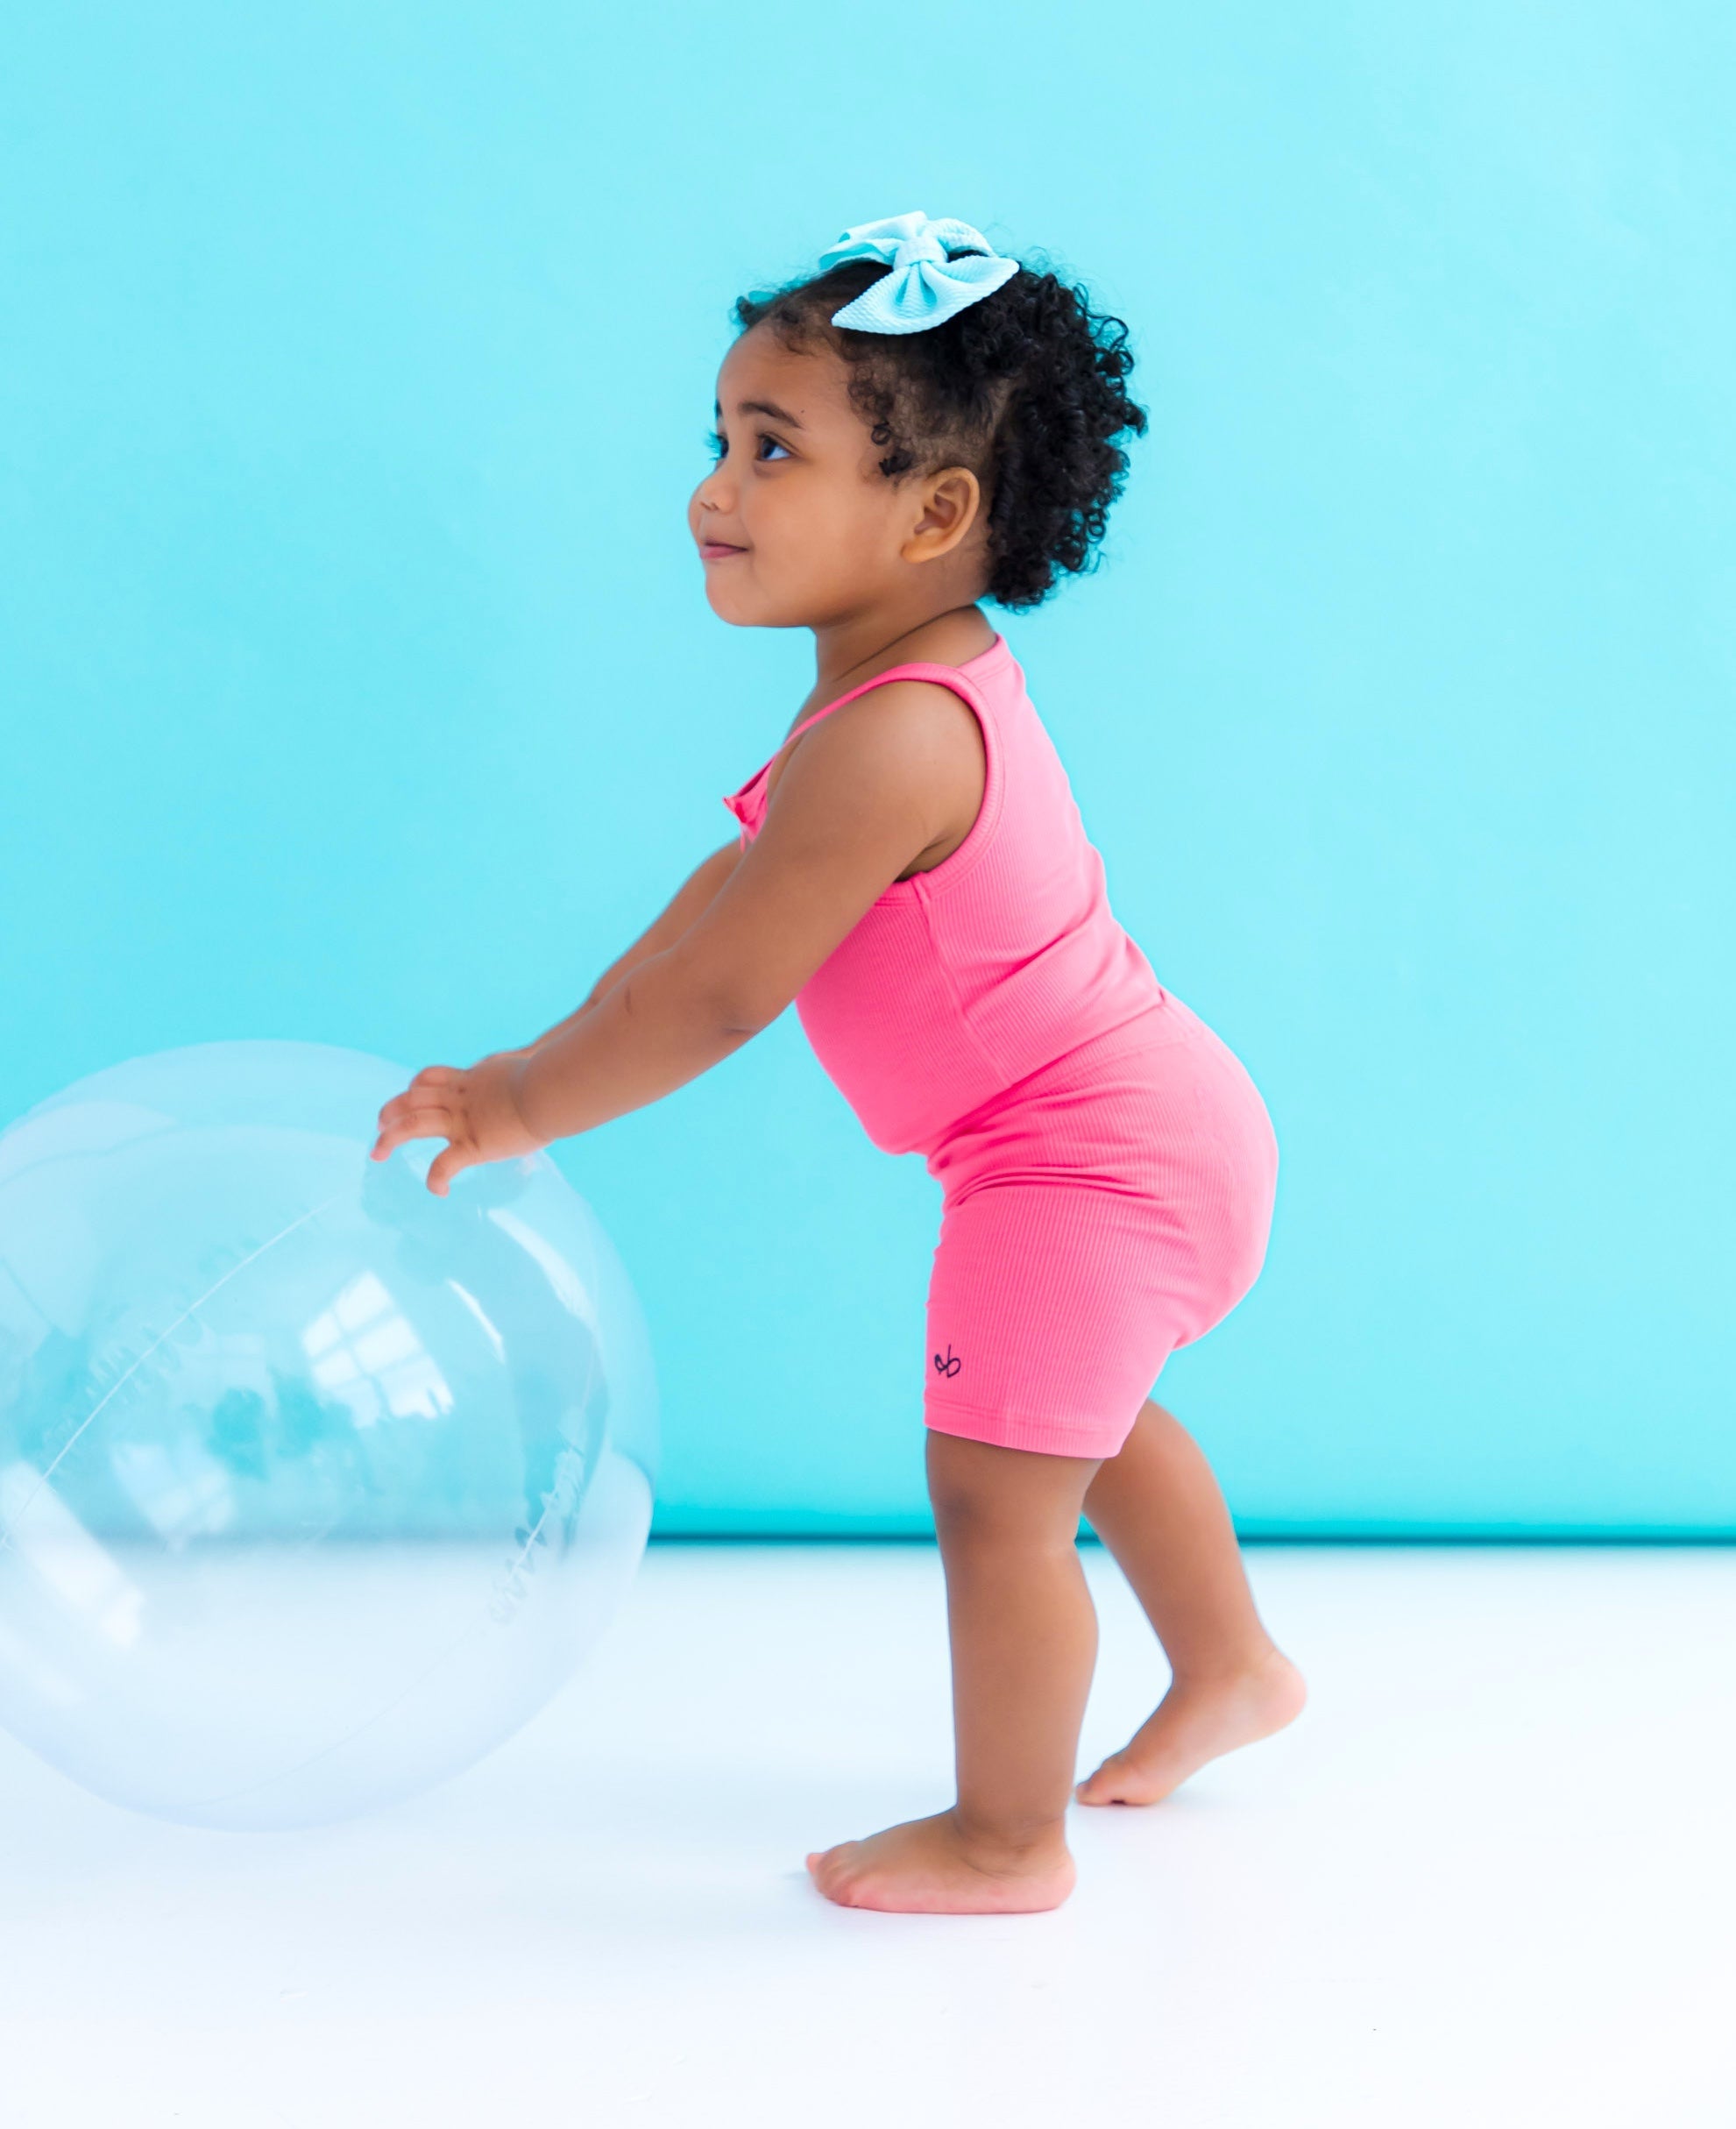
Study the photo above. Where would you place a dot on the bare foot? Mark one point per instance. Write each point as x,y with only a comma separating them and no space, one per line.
926,1866
1196,1722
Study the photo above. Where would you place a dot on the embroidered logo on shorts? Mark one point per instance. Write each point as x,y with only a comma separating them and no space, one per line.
951,1365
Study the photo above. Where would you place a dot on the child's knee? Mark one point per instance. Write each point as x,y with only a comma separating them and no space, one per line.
982,1493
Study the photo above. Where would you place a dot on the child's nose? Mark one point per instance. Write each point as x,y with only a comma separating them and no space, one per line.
710,514
716,493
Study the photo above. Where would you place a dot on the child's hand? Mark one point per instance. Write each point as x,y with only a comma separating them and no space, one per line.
476,1111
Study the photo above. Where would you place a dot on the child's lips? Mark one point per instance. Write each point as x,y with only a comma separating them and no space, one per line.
715,550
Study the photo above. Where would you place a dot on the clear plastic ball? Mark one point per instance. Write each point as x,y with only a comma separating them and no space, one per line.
314,1487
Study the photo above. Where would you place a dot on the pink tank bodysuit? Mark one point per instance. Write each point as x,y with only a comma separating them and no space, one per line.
1108,1169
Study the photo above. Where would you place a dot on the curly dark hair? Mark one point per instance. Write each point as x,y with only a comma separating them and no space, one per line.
1024,387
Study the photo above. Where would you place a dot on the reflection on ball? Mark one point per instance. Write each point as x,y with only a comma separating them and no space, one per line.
314,1485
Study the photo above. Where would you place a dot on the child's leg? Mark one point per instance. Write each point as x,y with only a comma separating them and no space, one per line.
1157,1508
1023,1637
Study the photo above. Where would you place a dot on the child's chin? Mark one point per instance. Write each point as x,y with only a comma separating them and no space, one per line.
743,612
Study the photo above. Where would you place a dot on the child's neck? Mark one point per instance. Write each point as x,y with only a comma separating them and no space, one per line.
852,652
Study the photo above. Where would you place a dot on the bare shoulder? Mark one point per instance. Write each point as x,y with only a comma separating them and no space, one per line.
923,711
917,735
909,729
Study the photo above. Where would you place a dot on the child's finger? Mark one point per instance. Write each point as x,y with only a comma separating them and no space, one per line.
424,1111
429,1080
425,1121
446,1166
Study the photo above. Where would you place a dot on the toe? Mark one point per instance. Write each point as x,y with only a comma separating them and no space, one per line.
1107,1785
833,1883
825,1866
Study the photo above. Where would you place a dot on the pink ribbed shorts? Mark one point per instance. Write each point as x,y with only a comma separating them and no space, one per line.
1108,1207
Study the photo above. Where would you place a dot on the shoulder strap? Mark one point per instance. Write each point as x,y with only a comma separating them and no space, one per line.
917,669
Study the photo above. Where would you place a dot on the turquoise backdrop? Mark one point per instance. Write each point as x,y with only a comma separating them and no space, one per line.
358,685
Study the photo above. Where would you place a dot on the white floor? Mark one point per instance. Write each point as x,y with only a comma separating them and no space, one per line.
1489,1878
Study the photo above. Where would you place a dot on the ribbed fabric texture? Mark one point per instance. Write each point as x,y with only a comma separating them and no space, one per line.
1107,1168
1111,1207
959,981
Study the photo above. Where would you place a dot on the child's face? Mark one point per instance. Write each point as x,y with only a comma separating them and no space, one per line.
796,526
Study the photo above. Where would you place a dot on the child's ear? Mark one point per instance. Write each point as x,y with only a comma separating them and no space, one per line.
948,506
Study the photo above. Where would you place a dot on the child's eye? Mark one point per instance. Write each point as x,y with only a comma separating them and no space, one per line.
716,445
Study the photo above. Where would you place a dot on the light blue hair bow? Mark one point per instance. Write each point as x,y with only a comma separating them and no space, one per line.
924,286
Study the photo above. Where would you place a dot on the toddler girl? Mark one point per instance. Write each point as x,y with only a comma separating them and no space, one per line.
918,426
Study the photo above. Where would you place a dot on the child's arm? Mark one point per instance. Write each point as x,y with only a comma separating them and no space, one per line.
857,800
693,896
